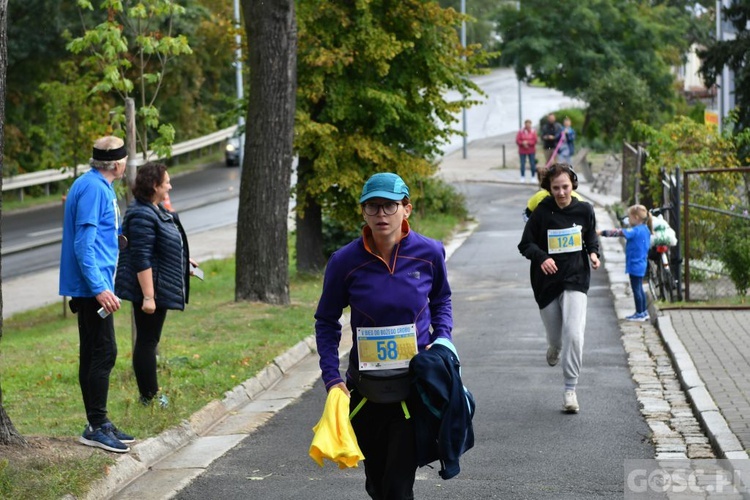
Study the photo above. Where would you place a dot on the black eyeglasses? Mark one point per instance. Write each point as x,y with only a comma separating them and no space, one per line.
389,208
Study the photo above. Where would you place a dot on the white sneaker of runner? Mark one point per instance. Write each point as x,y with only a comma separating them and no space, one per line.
570,404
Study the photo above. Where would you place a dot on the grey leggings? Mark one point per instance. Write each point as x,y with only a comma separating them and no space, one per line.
565,321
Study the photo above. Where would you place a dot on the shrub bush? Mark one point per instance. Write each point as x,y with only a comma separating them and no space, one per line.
735,253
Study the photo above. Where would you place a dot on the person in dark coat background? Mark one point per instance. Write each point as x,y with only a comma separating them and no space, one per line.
551,132
153,271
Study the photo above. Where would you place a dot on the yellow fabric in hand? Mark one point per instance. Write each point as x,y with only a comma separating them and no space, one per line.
334,436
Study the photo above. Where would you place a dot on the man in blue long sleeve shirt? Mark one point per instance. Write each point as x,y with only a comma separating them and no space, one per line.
88,259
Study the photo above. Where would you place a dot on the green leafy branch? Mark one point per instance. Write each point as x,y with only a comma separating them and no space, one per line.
131,50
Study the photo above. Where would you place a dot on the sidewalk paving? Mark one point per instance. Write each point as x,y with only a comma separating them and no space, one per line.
709,350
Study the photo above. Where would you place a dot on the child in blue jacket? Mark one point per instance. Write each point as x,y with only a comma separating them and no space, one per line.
638,238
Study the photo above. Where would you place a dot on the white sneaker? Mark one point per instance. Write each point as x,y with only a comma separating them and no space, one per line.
523,180
570,402
553,355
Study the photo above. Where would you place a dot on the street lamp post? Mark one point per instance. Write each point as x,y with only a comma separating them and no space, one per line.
238,75
463,44
520,110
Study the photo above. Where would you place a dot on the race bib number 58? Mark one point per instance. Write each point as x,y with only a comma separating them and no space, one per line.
386,347
564,240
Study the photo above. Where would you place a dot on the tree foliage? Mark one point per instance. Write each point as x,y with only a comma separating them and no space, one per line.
196,98
689,145
693,146
373,78
200,94
132,50
734,251
573,46
73,119
33,56
734,54
616,100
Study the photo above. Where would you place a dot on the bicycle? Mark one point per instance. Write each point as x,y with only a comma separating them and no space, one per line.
661,281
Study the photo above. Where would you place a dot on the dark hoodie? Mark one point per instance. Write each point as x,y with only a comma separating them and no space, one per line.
573,272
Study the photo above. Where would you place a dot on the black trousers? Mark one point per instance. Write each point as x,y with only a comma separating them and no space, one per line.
148,333
386,438
97,355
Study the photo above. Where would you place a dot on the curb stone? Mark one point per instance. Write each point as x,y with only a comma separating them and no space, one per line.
147,453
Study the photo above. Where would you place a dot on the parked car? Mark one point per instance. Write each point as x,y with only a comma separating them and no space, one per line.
232,150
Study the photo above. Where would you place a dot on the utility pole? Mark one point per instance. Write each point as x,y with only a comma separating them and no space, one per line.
463,44
131,166
131,169
520,109
725,81
238,75
720,78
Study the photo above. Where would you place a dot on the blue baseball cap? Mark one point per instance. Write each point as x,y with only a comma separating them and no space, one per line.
384,185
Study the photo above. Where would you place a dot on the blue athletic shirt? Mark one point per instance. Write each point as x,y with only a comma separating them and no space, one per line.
91,223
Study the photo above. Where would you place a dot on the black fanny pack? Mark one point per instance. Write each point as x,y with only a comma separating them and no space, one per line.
384,386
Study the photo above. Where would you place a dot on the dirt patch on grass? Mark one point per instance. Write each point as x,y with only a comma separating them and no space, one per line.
50,468
44,449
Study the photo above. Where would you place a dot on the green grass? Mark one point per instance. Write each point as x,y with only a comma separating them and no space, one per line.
439,226
206,350
43,478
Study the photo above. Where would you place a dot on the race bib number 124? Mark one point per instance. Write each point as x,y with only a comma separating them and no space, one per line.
564,240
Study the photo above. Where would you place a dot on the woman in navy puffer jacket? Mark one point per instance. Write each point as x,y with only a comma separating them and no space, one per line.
153,271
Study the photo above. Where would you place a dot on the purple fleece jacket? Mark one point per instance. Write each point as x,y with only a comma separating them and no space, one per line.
412,288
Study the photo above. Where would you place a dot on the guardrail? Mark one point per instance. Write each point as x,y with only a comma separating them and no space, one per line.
47,177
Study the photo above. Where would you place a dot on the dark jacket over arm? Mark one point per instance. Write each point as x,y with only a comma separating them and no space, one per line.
443,422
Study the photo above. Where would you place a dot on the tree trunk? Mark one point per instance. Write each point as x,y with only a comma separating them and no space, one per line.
309,245
262,223
8,433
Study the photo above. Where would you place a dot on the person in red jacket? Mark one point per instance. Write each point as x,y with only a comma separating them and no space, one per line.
526,140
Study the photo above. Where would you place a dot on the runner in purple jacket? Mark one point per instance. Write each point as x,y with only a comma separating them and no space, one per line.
395,283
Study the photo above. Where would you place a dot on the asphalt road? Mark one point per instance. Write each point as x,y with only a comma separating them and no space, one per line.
31,239
525,446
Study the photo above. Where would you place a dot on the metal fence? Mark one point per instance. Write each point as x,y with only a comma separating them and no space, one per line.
708,209
716,233
633,159
181,151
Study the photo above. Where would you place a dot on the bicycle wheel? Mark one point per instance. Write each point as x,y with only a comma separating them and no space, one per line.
667,284
653,279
